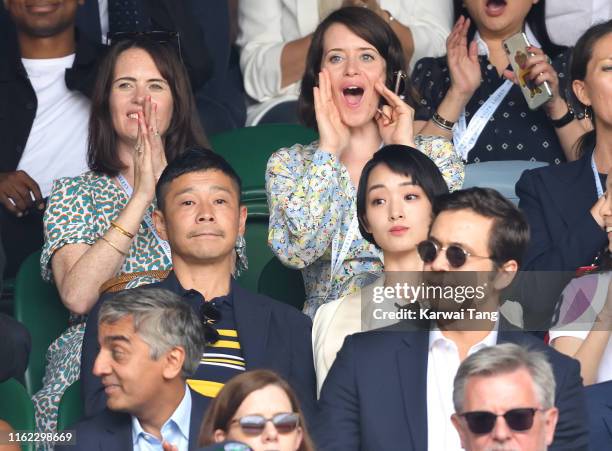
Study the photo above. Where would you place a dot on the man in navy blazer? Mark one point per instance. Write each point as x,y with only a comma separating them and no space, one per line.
566,225
150,342
200,214
392,388
599,404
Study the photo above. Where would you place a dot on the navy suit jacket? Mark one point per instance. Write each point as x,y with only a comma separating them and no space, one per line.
375,395
599,404
556,200
111,430
272,335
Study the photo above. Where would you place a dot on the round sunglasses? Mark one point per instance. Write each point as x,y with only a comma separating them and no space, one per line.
455,254
284,423
483,422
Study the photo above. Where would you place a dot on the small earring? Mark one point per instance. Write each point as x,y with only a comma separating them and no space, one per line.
588,112
242,262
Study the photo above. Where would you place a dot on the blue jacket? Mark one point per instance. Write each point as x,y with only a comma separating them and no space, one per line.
110,430
273,336
599,403
556,200
375,395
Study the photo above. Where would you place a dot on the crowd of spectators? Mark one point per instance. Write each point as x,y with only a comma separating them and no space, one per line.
106,109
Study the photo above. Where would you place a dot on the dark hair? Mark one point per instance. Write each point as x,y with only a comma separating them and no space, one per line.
185,129
193,159
369,27
402,160
535,19
231,396
509,233
581,55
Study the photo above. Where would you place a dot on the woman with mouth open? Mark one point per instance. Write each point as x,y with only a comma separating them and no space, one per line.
98,224
352,61
469,95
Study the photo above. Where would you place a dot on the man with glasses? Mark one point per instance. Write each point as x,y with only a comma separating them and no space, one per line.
504,398
201,217
392,388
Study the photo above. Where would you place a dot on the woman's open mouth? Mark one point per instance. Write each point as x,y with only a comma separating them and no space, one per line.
495,8
353,95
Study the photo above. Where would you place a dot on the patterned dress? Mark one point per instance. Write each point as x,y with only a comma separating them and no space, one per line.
311,199
79,211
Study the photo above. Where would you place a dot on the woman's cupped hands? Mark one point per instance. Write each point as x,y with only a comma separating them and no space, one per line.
149,153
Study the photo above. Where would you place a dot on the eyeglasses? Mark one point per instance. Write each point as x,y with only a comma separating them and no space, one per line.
209,315
284,423
483,422
160,37
455,254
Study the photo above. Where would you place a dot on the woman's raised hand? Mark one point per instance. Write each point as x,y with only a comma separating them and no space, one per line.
144,170
395,120
158,152
540,70
333,133
462,60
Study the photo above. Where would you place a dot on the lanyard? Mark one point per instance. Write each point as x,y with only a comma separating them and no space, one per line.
147,217
600,191
338,256
465,136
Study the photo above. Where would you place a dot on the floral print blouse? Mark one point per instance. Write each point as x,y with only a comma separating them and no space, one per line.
80,210
311,199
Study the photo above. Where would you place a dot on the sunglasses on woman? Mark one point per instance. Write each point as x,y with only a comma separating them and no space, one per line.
483,422
455,254
284,423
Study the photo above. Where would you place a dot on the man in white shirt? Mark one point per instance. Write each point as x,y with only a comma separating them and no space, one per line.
566,20
504,398
392,388
150,342
44,114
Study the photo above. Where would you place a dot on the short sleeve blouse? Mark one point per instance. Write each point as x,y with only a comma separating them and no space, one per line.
80,210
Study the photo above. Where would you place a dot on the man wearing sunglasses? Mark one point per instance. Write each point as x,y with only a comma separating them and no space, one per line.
391,389
504,398
201,217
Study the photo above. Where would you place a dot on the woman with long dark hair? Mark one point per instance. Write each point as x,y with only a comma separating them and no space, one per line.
98,224
470,95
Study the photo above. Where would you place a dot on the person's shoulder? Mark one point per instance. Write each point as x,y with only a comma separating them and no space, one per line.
287,311
297,153
104,420
557,359
88,180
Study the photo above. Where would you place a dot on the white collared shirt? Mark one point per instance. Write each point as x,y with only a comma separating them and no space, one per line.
175,430
442,365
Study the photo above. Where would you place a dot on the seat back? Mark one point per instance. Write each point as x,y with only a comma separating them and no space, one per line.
266,274
248,149
39,308
70,407
16,408
499,175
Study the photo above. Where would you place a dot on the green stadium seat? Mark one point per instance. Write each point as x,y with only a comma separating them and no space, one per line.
266,274
71,407
16,408
248,149
39,308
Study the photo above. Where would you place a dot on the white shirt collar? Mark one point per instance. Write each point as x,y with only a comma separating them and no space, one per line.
436,338
483,49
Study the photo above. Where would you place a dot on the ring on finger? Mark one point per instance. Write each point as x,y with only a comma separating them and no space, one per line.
156,133
138,148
